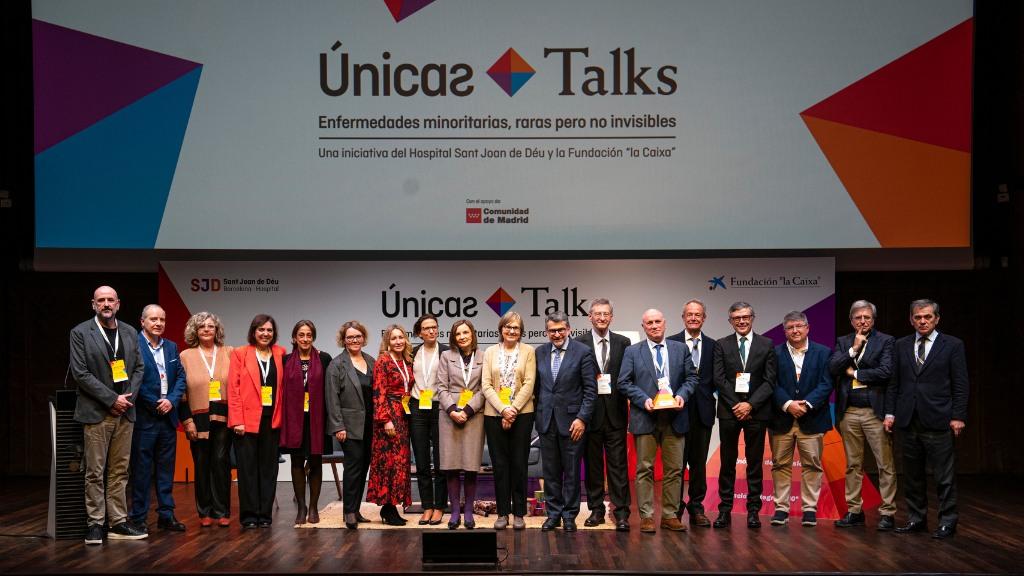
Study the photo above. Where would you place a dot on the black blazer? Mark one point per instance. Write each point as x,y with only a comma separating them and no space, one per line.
762,365
702,404
613,405
937,391
874,370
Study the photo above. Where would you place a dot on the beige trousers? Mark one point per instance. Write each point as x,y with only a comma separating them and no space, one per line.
108,446
860,425
810,447
671,463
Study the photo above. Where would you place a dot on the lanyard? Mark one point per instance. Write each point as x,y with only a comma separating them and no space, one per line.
212,367
509,362
401,370
117,336
428,363
467,369
264,369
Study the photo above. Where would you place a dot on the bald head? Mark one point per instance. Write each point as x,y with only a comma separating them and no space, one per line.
653,322
106,304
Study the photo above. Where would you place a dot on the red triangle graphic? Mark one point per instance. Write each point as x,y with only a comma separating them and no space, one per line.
924,95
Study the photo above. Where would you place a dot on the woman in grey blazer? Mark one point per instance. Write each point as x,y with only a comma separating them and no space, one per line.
348,392
461,433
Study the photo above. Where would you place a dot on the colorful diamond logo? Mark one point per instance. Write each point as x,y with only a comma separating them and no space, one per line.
402,9
500,302
511,72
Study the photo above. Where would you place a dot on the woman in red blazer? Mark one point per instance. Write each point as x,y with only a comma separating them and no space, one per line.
254,414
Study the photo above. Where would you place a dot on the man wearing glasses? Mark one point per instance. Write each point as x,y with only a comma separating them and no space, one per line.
745,369
606,438
566,388
801,419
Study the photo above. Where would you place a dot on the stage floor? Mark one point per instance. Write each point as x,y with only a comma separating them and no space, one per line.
990,540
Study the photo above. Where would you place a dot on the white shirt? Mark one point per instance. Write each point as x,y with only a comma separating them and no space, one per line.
699,340
597,348
798,362
654,358
161,366
750,340
424,362
929,340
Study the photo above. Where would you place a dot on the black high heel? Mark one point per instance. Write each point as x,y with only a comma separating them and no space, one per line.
453,524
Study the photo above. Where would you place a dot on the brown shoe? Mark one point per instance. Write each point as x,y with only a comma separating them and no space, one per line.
647,525
700,520
672,523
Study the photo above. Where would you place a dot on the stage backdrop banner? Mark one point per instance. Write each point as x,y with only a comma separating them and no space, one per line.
496,125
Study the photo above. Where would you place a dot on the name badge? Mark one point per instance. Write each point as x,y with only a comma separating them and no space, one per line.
215,395
426,398
464,398
505,395
664,385
405,404
305,402
604,384
117,371
743,382
267,395
858,384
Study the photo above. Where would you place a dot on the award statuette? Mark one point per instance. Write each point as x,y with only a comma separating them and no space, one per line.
664,399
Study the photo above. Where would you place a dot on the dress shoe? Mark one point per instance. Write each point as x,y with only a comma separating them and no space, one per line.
913,526
886,523
470,524
453,524
264,523
205,522
622,525
780,518
596,518
853,519
647,525
550,524
350,521
700,520
248,524
518,523
672,523
724,520
753,521
140,526
436,517
944,531
425,519
501,523
172,524
361,519
224,522
125,531
94,534
569,525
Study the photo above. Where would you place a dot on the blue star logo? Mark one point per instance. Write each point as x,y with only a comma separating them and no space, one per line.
717,282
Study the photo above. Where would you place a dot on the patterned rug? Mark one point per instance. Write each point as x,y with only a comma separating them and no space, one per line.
331,516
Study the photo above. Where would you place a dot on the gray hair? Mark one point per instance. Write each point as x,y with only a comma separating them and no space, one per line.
794,316
146,310
700,303
557,318
600,302
740,306
860,305
924,303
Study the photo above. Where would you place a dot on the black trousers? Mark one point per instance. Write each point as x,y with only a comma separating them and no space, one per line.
923,446
423,433
607,445
510,453
212,457
357,465
695,457
560,460
753,436
257,471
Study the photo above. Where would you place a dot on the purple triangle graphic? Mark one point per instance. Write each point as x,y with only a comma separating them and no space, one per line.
410,7
81,79
822,319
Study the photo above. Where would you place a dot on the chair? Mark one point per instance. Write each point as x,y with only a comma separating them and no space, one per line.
333,459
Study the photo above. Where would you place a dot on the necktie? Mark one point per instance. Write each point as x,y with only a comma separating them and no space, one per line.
743,351
695,353
660,362
604,355
920,350
556,362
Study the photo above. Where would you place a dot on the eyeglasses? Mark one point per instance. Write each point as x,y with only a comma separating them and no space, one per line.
601,314
746,318
512,328
353,338
554,331
428,329
796,327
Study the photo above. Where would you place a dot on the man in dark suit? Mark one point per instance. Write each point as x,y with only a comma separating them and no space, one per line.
745,369
106,366
801,418
566,389
930,380
658,378
606,435
155,439
701,408
862,366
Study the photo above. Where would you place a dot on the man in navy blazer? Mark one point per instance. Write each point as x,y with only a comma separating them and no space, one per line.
862,367
652,368
931,388
802,417
566,389
701,408
154,442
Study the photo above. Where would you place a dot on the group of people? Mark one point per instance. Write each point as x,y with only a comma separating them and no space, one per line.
438,403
